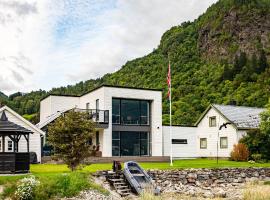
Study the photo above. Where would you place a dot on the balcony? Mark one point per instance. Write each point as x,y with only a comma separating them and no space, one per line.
101,117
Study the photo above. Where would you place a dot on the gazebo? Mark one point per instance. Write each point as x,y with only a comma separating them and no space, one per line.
13,162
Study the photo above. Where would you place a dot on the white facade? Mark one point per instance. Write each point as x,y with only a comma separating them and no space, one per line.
53,104
34,138
180,150
104,95
213,135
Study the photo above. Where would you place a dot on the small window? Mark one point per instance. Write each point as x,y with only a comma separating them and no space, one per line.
203,143
10,146
179,141
223,142
87,106
212,121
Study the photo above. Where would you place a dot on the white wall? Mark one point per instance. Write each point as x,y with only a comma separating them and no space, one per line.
53,104
211,133
34,139
156,115
188,150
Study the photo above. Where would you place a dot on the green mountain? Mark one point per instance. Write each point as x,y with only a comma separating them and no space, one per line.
222,57
3,98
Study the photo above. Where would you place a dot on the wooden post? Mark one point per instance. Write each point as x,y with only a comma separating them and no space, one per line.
3,143
27,142
26,136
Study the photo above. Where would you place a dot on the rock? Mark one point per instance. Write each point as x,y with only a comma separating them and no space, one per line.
208,194
192,176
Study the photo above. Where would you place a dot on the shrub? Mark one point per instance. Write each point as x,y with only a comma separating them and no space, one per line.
256,157
61,185
25,189
257,143
240,152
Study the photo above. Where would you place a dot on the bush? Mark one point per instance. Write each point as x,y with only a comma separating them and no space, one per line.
25,189
257,143
240,152
62,185
256,157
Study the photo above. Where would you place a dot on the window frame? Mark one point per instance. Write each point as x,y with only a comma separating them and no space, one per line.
201,139
210,121
140,117
220,143
179,141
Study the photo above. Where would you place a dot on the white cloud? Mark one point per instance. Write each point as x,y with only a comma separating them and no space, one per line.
48,43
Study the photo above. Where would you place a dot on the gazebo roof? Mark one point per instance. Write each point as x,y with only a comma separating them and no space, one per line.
7,126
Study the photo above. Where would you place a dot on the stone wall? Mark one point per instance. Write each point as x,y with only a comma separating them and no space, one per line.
208,183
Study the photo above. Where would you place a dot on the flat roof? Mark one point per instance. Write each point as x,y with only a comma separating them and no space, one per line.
103,85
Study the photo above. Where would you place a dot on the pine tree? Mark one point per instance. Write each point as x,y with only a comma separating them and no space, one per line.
262,62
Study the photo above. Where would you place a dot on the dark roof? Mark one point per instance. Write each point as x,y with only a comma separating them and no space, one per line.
242,117
9,127
103,85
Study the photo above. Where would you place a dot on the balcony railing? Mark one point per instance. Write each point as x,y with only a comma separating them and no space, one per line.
99,116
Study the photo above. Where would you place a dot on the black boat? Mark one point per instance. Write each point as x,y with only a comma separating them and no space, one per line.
138,178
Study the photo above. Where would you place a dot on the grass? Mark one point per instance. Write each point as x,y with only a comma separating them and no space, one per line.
182,164
58,180
257,192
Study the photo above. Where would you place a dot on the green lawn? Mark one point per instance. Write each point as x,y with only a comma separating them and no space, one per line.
182,164
177,164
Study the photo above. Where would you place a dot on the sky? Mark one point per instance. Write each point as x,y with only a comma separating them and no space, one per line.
52,43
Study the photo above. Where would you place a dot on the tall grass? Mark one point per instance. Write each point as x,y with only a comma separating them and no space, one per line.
257,192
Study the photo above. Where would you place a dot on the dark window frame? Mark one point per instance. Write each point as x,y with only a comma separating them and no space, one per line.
223,147
201,139
140,114
211,123
141,140
179,141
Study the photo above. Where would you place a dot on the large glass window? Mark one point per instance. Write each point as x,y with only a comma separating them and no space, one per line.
144,112
116,143
130,143
116,111
130,112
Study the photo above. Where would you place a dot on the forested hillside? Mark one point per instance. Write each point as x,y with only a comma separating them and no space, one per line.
222,57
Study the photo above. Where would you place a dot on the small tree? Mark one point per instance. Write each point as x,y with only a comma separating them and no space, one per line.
70,136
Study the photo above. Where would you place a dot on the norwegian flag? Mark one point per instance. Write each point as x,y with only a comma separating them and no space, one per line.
169,80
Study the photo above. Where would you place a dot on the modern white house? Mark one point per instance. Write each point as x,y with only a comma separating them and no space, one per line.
129,123
129,120
12,121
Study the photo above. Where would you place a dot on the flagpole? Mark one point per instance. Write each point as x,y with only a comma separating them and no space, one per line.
171,161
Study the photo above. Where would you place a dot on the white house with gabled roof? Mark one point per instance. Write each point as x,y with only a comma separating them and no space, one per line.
35,138
213,140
